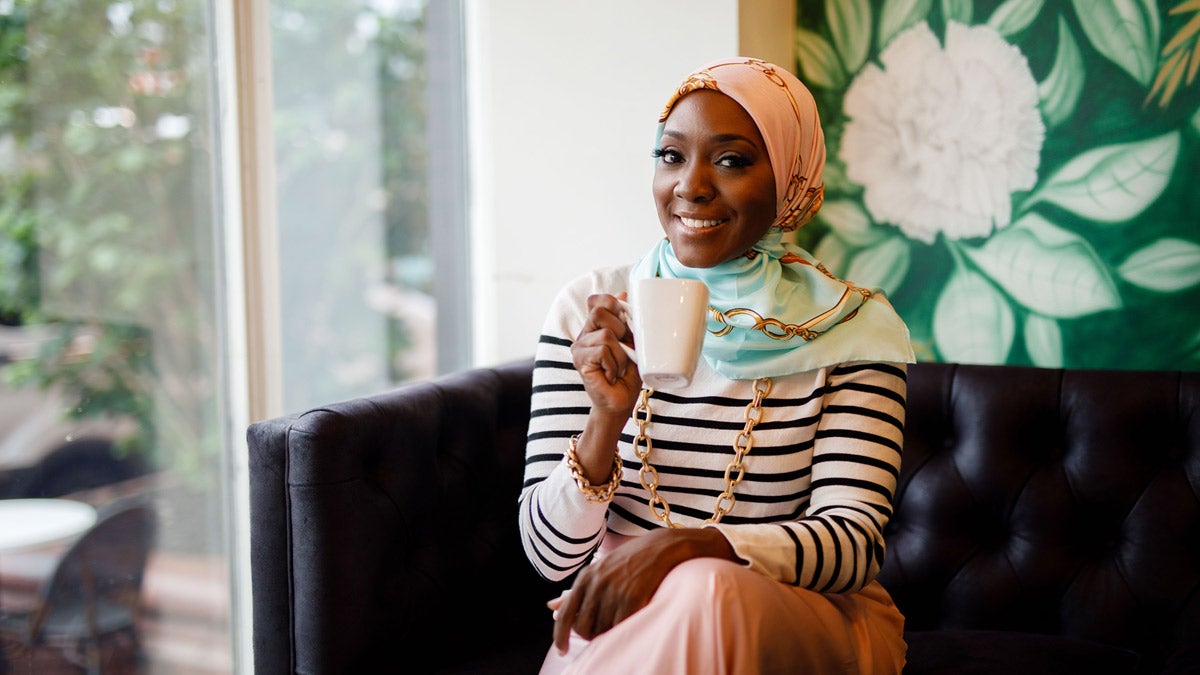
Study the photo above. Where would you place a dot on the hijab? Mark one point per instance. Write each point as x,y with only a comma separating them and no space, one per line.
776,310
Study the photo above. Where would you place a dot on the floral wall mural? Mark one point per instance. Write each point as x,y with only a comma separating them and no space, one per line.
1021,177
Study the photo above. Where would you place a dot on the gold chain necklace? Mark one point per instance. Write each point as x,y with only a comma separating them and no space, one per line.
734,472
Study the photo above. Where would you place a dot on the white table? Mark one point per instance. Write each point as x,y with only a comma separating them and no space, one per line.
33,523
27,524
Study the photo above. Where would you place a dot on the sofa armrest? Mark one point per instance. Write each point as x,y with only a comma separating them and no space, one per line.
385,527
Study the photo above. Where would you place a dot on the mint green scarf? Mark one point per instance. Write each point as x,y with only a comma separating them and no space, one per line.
809,319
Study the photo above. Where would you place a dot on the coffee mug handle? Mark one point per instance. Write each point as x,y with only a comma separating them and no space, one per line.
627,316
629,350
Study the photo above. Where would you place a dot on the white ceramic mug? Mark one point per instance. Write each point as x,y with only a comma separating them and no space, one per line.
669,317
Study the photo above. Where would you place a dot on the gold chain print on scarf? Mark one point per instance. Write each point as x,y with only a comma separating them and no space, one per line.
778,330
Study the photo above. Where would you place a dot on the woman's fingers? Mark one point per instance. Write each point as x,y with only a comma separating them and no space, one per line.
564,619
593,605
596,361
601,349
605,312
585,618
584,609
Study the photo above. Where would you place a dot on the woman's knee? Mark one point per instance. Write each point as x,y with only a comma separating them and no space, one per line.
706,582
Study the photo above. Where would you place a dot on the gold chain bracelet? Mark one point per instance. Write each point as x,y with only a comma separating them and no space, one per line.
734,472
594,493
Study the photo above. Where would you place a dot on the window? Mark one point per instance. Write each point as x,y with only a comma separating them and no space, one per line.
367,157
117,380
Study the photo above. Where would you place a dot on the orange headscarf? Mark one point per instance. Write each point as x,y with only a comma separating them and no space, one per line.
786,115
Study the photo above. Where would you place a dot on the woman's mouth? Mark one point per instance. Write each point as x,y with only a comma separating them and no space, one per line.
698,223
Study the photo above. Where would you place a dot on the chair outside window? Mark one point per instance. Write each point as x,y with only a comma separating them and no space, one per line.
93,596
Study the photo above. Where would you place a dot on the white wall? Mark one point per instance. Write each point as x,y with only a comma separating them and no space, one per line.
563,98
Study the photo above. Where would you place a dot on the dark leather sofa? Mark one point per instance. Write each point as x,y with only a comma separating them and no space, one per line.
1047,521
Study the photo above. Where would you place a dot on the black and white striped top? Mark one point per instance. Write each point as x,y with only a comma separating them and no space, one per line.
819,480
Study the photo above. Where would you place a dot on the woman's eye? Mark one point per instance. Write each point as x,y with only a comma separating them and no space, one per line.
667,156
733,162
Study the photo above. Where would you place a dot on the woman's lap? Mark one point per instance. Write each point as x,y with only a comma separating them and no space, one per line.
712,615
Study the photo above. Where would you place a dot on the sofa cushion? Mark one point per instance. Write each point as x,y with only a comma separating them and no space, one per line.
1056,502
984,652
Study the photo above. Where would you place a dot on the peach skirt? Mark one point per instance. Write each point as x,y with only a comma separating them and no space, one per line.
716,616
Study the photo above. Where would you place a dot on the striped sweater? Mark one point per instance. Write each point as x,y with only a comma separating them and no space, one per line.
818,482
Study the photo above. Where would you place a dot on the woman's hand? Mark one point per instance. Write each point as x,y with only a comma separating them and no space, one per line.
620,583
611,380
610,376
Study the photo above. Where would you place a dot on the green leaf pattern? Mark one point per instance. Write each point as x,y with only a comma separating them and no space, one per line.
1014,16
819,65
1113,183
899,15
850,24
850,222
1100,233
881,266
1124,31
1043,341
972,322
1047,269
1059,92
1167,265
958,10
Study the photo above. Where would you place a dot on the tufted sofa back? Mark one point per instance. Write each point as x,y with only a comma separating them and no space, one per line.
1062,502
1052,502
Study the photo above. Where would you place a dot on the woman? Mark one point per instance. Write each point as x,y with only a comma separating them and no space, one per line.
734,525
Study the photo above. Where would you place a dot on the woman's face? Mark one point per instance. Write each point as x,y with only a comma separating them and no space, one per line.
713,182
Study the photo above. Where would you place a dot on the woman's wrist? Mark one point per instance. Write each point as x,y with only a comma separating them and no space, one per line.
597,446
595,492
678,545
606,425
708,542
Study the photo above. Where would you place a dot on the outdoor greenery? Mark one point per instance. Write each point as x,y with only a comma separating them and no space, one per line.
109,228
107,224
350,141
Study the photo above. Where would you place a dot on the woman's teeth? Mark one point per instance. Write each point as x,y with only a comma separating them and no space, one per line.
692,222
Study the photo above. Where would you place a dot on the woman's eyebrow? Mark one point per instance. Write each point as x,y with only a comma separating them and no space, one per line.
725,138
717,138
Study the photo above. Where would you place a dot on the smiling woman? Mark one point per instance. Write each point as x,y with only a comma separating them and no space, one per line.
710,147
781,519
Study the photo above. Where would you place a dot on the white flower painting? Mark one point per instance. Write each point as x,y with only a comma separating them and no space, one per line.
940,138
1019,176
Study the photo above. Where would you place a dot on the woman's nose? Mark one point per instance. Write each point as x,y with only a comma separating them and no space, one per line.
695,183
